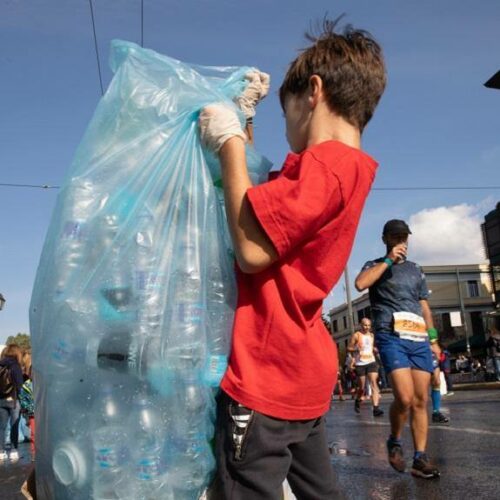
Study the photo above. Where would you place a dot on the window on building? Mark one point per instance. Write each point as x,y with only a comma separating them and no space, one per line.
476,319
335,326
360,315
473,288
447,332
345,321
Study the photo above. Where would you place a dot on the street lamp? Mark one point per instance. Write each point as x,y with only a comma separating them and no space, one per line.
2,301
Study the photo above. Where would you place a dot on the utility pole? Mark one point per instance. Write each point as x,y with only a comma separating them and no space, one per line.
349,302
462,312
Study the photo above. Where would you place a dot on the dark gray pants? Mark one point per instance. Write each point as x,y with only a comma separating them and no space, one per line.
255,453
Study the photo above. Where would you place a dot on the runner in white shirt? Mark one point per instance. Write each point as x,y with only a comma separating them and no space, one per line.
361,344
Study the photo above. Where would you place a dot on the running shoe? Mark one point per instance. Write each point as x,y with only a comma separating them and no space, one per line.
377,412
439,418
423,468
357,405
396,458
14,456
3,455
449,393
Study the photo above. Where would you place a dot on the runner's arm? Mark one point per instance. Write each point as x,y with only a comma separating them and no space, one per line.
365,279
352,346
427,314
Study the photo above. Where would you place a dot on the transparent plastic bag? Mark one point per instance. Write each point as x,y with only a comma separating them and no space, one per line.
134,297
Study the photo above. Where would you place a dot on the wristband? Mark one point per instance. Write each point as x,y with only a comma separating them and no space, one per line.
433,334
388,261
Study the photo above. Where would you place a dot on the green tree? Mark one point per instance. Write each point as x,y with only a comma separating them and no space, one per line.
23,340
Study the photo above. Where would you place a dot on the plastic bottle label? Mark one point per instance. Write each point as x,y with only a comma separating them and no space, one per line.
147,469
217,366
189,313
107,458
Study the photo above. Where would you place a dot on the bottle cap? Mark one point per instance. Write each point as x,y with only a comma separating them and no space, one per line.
68,464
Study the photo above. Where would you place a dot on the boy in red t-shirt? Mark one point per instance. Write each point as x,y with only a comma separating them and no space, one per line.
292,237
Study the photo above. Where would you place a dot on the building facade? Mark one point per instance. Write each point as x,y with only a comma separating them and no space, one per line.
491,236
456,293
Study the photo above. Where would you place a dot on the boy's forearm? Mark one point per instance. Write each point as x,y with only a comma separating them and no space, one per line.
254,252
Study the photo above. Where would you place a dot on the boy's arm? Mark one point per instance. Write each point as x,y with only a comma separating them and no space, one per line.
253,249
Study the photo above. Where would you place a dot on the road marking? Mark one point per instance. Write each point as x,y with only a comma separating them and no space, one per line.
431,427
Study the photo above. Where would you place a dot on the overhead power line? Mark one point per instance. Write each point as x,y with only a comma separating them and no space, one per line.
43,186
96,47
142,23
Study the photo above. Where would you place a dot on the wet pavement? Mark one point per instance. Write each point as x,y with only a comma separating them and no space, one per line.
467,451
13,475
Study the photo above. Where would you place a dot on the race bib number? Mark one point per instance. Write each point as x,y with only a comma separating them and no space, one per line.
410,326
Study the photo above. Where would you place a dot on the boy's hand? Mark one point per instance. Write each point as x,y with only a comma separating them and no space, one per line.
257,89
219,122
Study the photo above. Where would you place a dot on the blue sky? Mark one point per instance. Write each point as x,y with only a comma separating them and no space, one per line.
436,124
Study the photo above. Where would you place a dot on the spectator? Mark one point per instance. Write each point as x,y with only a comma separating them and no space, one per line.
11,381
476,368
27,401
493,343
462,364
445,366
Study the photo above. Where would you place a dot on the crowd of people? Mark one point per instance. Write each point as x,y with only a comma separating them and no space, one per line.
16,401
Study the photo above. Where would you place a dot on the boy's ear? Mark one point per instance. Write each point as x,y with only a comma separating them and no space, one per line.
315,90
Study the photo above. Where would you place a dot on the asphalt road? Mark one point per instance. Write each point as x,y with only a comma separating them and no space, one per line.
467,451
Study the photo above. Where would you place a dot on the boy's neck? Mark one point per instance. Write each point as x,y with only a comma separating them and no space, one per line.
328,126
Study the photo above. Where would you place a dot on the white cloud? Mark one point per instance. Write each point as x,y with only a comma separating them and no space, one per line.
447,235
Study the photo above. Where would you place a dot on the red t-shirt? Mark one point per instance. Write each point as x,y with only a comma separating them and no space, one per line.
283,361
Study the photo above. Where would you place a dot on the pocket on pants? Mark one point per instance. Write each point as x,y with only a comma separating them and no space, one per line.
241,421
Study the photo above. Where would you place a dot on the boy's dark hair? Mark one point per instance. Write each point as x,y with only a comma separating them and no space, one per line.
351,66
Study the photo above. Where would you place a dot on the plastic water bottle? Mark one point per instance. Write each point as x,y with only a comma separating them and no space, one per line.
111,454
191,465
147,432
122,351
219,323
148,281
71,452
186,343
74,236
71,347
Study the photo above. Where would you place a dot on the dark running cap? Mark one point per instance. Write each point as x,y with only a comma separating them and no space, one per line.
396,226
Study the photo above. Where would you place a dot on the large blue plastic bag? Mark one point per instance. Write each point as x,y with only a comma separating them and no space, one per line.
134,297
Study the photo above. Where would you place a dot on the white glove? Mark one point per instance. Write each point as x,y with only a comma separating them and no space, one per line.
257,89
219,122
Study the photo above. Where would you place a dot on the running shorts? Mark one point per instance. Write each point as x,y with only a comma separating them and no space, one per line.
398,353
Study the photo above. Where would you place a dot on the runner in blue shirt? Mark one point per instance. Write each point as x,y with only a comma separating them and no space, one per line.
405,337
